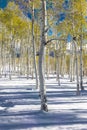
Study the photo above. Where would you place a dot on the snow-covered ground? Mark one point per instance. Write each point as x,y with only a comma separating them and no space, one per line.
20,106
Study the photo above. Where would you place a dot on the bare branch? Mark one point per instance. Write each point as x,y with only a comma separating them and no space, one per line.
46,30
55,39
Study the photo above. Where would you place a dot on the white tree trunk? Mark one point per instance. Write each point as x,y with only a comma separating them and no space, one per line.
10,66
34,49
57,70
77,74
57,65
81,66
41,59
71,64
48,63
27,63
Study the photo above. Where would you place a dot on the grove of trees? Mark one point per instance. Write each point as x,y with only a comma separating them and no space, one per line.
39,38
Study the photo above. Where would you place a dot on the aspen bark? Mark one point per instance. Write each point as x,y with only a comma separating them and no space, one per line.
41,59
34,48
76,61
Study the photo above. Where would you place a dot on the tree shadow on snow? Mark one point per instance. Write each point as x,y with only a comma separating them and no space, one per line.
25,119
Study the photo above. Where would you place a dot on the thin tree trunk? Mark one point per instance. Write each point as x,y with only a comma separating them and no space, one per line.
57,69
81,66
57,65
48,63
34,49
77,75
71,63
81,42
63,65
27,63
10,66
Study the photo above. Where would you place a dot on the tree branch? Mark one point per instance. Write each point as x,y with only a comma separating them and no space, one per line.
46,30
54,39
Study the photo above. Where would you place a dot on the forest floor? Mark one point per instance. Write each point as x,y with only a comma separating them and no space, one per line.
20,105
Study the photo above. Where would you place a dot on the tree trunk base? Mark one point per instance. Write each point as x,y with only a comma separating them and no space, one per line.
44,104
44,107
82,88
78,92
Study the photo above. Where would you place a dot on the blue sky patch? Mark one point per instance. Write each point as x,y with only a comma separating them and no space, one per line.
3,3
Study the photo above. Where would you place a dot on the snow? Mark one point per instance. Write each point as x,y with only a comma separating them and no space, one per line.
20,105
